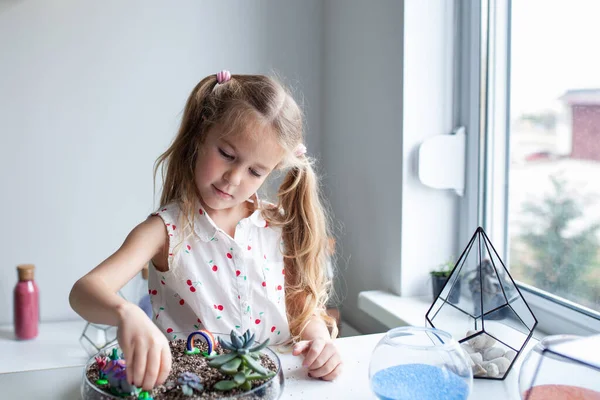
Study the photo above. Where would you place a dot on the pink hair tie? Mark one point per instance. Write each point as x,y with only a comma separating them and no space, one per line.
300,150
223,76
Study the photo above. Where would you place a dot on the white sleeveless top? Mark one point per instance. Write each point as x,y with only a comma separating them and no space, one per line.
219,283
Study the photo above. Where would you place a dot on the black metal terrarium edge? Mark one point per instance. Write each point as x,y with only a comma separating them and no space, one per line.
460,261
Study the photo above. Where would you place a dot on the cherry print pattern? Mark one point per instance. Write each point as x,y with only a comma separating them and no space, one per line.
224,250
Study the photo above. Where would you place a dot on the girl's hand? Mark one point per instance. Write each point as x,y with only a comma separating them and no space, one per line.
145,348
321,356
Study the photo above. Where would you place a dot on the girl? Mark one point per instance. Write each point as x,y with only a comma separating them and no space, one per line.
220,258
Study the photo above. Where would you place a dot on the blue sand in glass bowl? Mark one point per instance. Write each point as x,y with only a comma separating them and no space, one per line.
418,381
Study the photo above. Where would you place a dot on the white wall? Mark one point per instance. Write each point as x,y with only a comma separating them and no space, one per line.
362,141
387,85
92,92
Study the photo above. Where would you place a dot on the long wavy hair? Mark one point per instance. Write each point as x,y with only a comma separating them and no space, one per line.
299,211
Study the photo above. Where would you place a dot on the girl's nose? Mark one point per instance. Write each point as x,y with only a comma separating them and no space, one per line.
233,176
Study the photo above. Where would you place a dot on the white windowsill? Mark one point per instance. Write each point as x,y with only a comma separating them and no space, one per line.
392,310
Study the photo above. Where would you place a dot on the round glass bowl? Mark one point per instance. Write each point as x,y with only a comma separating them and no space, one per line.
419,363
270,390
548,372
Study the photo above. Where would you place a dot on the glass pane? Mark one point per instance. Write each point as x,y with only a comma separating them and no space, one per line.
554,168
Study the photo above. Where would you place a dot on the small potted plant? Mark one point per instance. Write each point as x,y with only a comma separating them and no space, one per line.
439,276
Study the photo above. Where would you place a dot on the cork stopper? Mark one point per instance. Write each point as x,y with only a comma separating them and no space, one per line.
25,272
145,273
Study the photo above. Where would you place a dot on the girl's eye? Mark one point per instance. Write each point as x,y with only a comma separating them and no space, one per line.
227,156
256,174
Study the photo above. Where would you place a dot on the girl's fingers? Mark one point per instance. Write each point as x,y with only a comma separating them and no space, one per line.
301,347
152,367
165,365
323,357
128,354
326,368
334,374
313,352
139,367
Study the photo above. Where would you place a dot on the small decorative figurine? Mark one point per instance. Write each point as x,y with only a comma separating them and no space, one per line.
115,372
208,337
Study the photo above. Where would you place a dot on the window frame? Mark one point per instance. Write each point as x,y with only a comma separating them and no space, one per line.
483,107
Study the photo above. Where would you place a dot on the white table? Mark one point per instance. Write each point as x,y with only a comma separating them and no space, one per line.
55,360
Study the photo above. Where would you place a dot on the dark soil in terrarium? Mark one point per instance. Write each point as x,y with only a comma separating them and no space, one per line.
196,364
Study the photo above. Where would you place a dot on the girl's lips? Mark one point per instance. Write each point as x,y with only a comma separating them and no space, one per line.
221,193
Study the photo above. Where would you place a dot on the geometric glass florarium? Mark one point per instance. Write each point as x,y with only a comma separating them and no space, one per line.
482,307
97,336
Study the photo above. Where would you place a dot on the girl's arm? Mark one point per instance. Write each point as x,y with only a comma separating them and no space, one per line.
95,297
316,329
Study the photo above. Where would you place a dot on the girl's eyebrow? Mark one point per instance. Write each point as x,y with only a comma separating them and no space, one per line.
227,142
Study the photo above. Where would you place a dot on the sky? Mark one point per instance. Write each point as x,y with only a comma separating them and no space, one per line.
555,47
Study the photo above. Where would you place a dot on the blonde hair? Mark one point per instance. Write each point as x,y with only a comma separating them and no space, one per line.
299,211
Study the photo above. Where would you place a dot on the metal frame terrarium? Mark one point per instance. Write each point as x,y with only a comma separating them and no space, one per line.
97,336
236,357
482,307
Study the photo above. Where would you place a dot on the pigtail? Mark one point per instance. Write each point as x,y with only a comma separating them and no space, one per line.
306,237
178,161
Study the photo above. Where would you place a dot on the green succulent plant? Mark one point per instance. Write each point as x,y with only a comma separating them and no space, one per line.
189,382
242,362
444,270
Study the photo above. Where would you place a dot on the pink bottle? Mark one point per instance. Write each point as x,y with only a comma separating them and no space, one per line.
26,303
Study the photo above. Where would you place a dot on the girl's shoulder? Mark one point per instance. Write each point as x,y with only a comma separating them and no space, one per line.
172,216
172,209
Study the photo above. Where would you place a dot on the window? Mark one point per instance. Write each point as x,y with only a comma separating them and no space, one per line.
534,144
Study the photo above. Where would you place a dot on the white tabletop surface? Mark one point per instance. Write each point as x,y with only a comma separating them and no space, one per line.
29,369
56,346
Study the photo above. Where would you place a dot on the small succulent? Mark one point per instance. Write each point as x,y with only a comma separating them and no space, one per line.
101,362
242,362
114,355
189,382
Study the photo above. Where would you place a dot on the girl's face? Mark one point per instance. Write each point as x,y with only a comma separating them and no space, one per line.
230,169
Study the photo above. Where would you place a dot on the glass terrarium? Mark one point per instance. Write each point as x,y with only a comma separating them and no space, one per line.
97,336
562,367
419,363
96,387
482,307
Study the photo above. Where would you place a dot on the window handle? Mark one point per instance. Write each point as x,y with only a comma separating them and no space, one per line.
441,162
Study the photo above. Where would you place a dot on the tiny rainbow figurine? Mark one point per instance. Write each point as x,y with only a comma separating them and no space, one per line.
208,337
